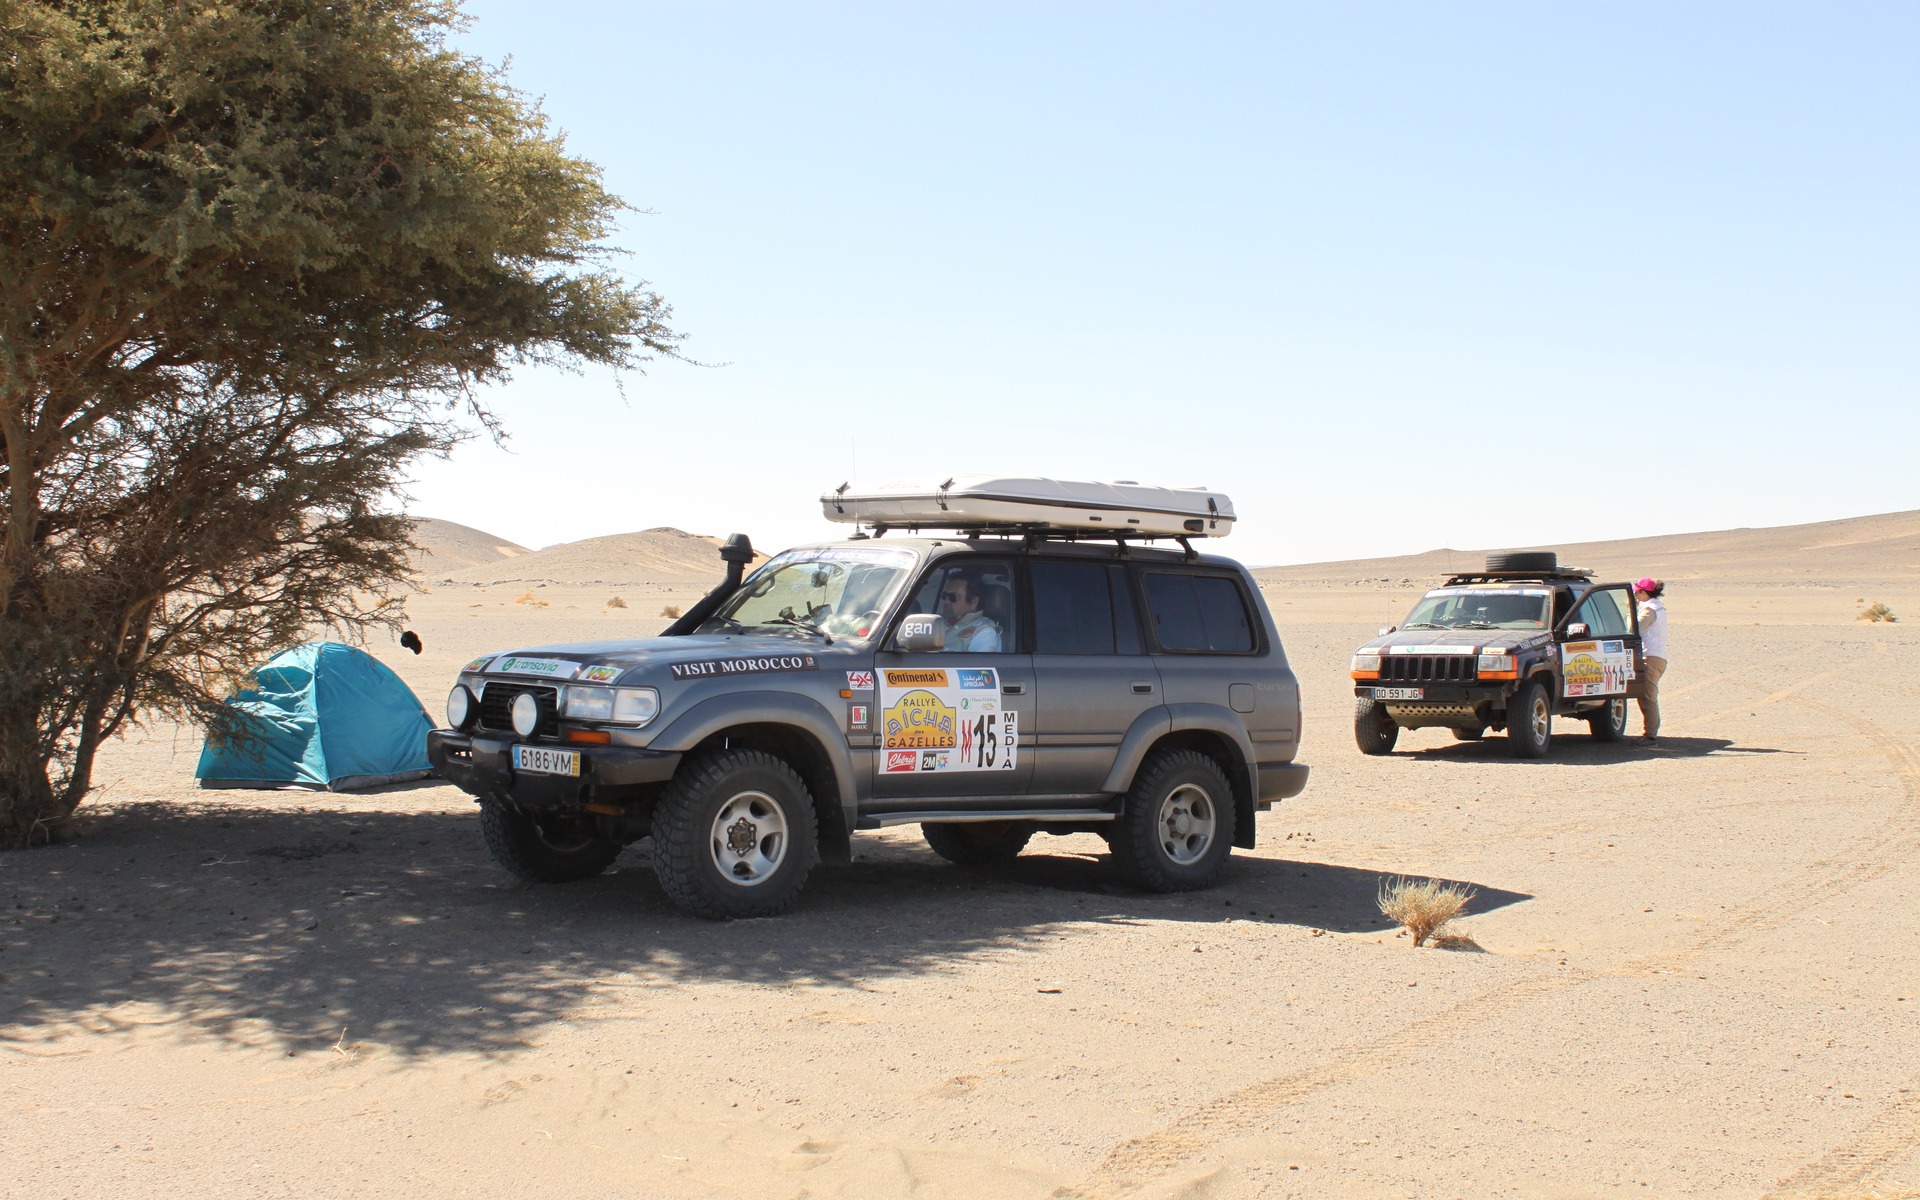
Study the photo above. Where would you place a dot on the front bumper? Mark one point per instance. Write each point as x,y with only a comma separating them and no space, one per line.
483,766
1469,694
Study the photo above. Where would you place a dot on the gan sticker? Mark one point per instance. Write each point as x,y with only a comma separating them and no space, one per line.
938,721
546,668
601,674
859,681
745,666
1595,668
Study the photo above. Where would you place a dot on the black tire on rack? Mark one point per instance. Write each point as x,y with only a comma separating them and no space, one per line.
1524,560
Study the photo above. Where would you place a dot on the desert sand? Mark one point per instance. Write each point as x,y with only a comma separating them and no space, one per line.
1696,970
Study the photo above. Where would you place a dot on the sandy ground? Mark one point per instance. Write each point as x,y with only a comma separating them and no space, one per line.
1698,972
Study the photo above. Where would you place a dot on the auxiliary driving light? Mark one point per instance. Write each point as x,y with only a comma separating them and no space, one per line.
526,714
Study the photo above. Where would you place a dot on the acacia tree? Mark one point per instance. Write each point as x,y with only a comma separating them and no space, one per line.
254,259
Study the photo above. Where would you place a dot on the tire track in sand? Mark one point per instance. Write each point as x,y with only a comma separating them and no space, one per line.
1138,1161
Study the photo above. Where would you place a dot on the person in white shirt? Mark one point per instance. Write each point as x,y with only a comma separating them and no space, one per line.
968,629
1653,642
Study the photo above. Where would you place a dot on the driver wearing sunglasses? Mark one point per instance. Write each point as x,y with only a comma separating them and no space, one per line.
968,629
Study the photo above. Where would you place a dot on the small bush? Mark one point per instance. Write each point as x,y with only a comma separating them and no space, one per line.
616,602
1877,612
1422,906
671,610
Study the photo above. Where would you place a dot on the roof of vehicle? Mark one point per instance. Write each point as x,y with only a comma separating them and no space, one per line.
1088,546
1567,575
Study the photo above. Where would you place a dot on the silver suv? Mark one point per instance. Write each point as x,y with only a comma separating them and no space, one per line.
984,688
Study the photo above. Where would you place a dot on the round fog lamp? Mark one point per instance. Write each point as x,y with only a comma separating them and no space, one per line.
459,706
526,714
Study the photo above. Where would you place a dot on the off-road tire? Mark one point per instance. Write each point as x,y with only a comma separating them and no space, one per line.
1530,721
1158,844
978,843
1469,735
1524,560
1373,730
1610,723
763,794
552,848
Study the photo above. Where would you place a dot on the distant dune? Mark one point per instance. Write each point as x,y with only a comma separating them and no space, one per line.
1883,548
663,554
447,548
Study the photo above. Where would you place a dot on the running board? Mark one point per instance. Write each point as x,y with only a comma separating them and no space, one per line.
976,815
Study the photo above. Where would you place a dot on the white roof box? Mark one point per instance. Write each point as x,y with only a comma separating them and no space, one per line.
995,502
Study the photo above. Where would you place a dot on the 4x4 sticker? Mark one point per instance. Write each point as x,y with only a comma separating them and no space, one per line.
951,725
745,666
546,668
859,681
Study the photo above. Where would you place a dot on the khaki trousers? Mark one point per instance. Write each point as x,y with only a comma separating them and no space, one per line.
1650,703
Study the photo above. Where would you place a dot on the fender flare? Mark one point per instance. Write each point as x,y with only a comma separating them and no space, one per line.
1156,723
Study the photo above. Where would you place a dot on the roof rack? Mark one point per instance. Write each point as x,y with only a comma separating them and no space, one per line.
1039,531
1464,578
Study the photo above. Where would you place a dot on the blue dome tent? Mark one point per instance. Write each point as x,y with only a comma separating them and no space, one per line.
330,718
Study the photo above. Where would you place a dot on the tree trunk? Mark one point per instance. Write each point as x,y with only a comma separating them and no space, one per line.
30,812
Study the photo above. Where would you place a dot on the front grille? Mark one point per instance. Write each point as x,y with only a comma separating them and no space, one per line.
496,707
1427,668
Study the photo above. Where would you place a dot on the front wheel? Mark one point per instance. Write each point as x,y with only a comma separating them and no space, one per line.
977,844
1610,723
1530,721
734,836
548,848
1177,828
1373,729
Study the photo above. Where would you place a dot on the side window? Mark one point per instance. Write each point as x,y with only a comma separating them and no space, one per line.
1603,614
1126,626
1072,608
976,600
1198,613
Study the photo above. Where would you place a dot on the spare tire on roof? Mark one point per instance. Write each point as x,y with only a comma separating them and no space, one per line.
1524,560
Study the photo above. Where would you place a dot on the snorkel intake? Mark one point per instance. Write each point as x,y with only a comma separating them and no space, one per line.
737,552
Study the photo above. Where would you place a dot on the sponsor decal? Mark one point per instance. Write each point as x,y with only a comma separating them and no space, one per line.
759,665
860,681
902,760
1488,591
943,716
601,674
917,678
478,664
1430,650
1595,668
856,716
546,668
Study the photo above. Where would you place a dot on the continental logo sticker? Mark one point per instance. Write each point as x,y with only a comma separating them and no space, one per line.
917,678
918,720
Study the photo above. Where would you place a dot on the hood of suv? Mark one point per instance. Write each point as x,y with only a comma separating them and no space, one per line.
1451,641
657,657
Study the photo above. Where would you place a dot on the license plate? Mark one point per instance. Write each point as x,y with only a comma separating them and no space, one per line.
542,761
1398,693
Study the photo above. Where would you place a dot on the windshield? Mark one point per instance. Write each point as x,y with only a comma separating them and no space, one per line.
1479,609
839,590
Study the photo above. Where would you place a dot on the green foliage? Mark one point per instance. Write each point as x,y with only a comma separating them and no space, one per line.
254,259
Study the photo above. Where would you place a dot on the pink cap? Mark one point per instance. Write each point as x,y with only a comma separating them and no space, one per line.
1646,585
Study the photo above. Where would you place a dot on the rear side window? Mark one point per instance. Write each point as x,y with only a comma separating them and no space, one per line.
1198,613
1072,609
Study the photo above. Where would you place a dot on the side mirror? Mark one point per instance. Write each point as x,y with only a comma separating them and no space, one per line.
920,633
1387,629
1577,630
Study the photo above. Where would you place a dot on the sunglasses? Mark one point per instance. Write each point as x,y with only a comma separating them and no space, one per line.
953,597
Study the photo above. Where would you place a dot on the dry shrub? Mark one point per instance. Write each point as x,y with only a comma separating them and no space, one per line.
1877,612
616,602
526,598
1422,906
671,610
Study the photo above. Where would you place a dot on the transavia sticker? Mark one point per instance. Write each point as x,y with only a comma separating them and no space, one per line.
745,666
601,674
546,668
1595,668
952,721
859,681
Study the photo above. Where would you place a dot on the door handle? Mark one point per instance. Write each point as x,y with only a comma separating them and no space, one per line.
1142,689
1013,689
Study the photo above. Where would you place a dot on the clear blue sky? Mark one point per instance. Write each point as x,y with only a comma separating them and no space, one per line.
1393,276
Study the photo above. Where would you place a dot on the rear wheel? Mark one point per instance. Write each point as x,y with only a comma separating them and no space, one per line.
1530,721
1373,729
547,848
1610,723
1177,828
734,835
974,844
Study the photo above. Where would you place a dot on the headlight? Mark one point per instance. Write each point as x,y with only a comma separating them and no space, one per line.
526,714
1365,664
1496,662
459,707
620,706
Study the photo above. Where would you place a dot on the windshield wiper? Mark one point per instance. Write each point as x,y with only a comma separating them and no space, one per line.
732,625
1425,625
797,623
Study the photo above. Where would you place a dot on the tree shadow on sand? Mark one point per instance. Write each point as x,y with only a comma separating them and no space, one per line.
278,921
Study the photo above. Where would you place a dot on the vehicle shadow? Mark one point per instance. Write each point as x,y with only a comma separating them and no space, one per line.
1582,749
395,925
